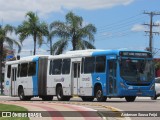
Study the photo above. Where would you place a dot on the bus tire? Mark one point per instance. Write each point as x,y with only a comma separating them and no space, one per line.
99,94
87,98
130,98
21,94
154,97
59,93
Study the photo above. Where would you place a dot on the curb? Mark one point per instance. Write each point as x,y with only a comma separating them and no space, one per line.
113,109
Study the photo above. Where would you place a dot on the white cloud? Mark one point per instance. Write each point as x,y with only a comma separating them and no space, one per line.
138,28
107,34
157,22
29,52
27,46
14,10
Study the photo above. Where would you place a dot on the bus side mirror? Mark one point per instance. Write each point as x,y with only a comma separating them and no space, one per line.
18,57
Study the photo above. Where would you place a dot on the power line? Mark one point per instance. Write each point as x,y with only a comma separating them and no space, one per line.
124,24
119,28
101,38
120,21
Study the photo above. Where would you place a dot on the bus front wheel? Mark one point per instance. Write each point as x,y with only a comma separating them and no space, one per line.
130,98
154,97
99,95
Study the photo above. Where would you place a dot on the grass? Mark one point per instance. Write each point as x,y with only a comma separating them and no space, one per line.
12,108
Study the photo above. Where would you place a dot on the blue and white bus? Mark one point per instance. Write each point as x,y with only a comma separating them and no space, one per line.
89,74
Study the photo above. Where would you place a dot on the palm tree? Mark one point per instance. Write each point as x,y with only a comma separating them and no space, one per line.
50,36
4,38
81,37
32,27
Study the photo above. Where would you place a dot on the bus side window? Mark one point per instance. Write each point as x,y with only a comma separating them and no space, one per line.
24,69
19,69
89,64
82,66
9,71
32,69
57,64
50,67
66,66
100,64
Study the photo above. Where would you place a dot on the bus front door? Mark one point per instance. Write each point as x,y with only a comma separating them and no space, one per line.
75,78
112,85
13,82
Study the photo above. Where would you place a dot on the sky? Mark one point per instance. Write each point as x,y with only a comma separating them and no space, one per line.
119,23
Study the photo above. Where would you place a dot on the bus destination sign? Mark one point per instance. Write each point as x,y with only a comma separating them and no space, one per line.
136,54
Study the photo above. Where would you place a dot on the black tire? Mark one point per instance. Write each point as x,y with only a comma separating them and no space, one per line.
21,94
87,98
99,94
47,98
59,93
154,97
130,98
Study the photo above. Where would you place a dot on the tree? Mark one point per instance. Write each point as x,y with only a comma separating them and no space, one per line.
32,27
4,38
73,30
50,36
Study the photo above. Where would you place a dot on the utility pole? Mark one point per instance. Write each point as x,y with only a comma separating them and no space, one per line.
151,25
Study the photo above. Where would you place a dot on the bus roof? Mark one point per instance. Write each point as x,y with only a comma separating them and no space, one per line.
72,54
27,58
91,52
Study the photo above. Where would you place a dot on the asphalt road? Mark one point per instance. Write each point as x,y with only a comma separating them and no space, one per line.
138,107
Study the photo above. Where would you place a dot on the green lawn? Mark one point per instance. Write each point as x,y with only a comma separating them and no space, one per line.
14,108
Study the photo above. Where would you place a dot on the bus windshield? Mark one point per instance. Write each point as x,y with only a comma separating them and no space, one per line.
137,70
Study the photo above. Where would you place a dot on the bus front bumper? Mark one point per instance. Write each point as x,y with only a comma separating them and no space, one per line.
140,92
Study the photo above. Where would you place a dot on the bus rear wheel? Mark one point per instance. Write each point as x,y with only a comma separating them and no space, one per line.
99,95
60,96
130,98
